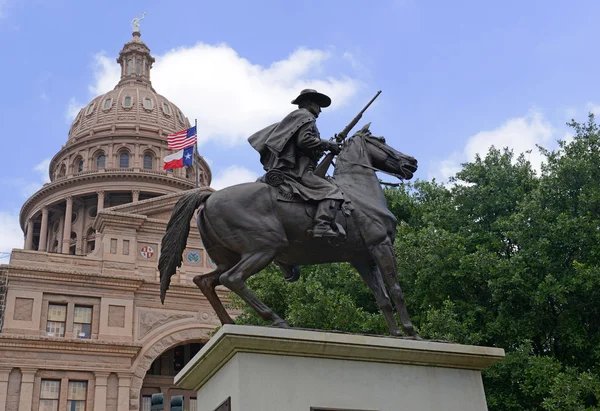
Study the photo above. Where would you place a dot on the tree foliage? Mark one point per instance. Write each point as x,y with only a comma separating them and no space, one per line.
504,257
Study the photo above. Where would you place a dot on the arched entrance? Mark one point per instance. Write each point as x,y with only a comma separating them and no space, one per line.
162,356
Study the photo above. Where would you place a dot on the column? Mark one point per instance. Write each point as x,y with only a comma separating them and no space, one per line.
135,195
26,395
4,374
100,390
44,230
100,205
136,155
67,229
29,235
124,387
61,230
79,247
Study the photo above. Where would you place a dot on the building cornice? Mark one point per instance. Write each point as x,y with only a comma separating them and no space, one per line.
55,344
86,278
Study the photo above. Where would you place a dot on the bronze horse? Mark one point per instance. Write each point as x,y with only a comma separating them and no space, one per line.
244,228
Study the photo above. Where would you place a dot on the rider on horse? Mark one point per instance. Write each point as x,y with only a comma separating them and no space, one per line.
289,152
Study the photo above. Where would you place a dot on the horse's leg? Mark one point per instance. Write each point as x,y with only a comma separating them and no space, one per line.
384,257
291,272
370,273
235,279
207,283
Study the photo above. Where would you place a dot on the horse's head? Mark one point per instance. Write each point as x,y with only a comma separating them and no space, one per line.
381,156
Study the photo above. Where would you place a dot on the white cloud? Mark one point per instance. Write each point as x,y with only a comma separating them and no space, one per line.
107,73
519,134
11,235
230,96
42,169
233,175
73,109
594,108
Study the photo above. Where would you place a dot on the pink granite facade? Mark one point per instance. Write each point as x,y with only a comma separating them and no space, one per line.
84,327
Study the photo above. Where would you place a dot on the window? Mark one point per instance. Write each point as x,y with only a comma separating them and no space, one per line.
166,108
49,393
147,403
178,360
138,67
90,108
100,161
180,116
57,316
127,101
193,404
107,103
77,395
147,104
148,161
80,166
82,322
124,160
129,66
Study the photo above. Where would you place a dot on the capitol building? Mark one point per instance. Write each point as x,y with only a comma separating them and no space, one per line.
81,325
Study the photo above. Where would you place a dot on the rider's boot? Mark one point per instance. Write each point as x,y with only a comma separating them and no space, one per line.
325,220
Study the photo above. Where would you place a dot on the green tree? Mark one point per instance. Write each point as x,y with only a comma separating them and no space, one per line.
503,257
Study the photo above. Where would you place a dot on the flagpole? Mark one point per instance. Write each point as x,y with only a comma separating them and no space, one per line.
196,154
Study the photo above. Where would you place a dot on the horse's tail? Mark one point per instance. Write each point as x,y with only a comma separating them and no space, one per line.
175,239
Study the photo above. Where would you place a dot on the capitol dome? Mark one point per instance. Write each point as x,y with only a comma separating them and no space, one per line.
113,156
133,105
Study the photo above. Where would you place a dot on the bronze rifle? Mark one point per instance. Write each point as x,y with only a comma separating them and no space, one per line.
339,138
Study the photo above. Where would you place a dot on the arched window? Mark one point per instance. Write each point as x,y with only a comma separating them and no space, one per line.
90,108
124,160
107,103
138,67
127,101
147,104
148,160
129,66
166,108
79,164
101,161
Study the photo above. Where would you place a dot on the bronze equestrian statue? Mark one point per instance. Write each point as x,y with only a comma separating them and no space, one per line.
281,218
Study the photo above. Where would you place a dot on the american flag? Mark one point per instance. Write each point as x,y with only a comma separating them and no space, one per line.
182,139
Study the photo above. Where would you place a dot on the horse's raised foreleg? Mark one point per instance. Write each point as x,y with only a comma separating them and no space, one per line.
207,283
384,257
372,276
235,279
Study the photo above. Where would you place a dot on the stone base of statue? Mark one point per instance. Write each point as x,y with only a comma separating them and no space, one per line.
246,368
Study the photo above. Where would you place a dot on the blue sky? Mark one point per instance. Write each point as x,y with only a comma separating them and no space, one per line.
456,76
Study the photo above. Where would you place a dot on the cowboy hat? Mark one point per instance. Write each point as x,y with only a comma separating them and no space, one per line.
309,94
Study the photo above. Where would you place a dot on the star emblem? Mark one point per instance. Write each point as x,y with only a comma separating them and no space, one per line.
188,156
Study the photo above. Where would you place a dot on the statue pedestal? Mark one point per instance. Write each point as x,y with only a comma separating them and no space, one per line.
250,368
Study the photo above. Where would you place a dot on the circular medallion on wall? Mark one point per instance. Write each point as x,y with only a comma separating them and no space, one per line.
147,251
193,257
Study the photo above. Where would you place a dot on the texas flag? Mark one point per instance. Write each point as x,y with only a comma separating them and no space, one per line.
180,159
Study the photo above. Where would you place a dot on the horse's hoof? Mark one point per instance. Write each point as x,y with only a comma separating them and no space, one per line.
281,323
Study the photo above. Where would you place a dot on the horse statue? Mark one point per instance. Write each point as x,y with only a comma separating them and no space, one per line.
244,228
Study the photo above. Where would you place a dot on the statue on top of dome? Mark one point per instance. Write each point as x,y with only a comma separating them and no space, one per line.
135,23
